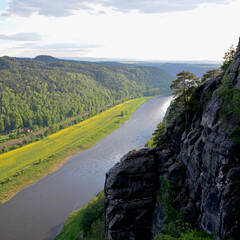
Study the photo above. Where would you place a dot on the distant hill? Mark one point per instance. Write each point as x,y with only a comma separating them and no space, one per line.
171,67
46,59
45,90
174,68
197,69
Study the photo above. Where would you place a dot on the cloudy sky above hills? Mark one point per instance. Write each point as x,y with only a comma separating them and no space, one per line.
134,29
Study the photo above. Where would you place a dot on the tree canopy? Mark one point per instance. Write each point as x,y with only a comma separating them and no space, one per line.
210,74
183,88
184,85
228,57
38,94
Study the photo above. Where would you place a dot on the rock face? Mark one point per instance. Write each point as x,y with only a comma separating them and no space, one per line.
201,160
131,188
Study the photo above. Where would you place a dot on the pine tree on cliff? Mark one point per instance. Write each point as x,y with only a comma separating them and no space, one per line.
183,88
228,57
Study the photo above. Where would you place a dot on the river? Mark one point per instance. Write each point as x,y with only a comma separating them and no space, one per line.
39,211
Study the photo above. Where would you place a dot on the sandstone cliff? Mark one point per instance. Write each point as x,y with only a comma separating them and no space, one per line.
203,161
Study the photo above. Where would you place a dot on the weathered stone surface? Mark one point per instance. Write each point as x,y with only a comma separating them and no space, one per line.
201,160
130,190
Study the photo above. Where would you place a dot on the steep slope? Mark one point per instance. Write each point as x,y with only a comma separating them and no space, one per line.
201,163
45,91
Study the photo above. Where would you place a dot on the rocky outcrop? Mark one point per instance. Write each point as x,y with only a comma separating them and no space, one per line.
211,170
131,190
200,159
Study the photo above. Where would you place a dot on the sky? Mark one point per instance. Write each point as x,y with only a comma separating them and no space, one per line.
167,30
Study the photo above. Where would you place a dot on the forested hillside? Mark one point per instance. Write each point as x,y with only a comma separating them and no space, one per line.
44,91
173,68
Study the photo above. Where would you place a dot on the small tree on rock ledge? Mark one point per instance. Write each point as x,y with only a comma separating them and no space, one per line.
183,88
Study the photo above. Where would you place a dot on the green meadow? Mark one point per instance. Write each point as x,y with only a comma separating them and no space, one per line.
24,166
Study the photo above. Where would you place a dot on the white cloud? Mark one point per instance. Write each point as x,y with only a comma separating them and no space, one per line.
204,33
22,37
60,8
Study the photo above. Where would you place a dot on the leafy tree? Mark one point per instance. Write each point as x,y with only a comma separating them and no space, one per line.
19,131
210,74
159,138
17,121
228,57
183,88
2,128
97,230
5,149
32,137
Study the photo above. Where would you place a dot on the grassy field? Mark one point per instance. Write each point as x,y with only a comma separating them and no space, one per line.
88,221
23,166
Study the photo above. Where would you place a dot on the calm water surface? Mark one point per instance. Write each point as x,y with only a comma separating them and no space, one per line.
39,212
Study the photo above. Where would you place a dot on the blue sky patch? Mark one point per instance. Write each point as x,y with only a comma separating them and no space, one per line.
3,5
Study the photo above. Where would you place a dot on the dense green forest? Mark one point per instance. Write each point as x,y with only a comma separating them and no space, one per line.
40,92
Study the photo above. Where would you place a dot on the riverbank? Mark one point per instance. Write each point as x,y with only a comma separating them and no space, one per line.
22,167
87,221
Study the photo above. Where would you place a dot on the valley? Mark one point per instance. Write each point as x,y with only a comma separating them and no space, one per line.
39,211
